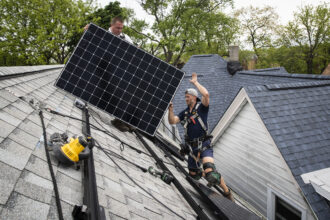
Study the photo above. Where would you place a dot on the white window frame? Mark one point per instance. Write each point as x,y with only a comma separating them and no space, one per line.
271,200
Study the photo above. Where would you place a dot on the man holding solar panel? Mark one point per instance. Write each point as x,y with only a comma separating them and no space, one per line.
197,141
116,28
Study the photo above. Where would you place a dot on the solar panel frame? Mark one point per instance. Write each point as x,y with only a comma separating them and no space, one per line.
90,65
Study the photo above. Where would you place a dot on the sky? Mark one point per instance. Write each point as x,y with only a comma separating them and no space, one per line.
284,8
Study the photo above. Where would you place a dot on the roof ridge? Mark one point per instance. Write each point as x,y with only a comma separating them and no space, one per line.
288,75
28,80
297,85
204,55
291,85
270,69
7,73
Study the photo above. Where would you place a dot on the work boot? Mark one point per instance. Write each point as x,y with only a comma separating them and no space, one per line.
229,195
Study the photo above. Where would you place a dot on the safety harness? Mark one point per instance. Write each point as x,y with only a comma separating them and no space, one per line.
196,142
187,120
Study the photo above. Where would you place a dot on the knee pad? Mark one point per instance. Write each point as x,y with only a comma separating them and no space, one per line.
213,177
198,175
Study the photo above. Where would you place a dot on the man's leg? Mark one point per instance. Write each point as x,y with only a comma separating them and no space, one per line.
214,177
194,169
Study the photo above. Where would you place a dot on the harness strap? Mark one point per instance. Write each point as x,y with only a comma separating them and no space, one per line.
201,149
202,124
192,118
198,155
192,155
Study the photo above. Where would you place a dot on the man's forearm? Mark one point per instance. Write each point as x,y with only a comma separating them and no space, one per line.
171,118
201,89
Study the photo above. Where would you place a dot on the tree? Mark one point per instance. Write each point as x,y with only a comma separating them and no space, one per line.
133,27
40,32
290,58
309,31
258,24
103,16
188,26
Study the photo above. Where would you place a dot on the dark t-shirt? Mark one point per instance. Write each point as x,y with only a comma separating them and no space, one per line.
196,130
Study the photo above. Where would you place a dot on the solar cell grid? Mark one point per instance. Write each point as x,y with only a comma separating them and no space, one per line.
121,79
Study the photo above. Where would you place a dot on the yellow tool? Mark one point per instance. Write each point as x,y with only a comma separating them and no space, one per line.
69,152
74,147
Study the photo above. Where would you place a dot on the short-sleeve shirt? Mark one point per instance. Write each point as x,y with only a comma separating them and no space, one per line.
195,130
123,36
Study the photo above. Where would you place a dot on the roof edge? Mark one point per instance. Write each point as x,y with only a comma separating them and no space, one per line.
286,86
288,75
280,68
297,85
20,74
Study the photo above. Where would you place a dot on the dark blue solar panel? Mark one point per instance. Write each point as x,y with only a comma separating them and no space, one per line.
121,79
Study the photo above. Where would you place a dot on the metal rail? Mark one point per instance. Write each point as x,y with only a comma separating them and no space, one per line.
196,207
94,211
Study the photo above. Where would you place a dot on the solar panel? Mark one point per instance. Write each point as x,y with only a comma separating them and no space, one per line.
120,79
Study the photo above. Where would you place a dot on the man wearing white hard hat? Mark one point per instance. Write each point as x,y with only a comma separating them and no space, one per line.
197,140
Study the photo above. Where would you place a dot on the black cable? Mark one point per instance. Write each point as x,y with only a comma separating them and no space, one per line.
57,197
122,145
111,135
171,132
64,115
137,183
112,153
104,130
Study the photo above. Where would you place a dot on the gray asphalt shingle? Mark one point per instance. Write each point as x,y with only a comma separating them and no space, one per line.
294,107
303,138
26,188
223,87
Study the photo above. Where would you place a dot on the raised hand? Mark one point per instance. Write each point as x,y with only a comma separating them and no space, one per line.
170,107
193,78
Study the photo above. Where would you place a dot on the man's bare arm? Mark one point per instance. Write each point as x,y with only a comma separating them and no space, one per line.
201,89
172,119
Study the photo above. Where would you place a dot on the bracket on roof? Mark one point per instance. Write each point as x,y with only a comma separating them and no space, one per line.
79,212
79,104
34,103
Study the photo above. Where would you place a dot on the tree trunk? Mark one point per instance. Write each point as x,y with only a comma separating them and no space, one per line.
169,56
309,62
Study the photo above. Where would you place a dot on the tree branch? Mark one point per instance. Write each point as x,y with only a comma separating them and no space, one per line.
152,39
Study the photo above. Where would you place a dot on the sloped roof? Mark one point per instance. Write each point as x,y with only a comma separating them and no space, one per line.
223,87
26,185
297,116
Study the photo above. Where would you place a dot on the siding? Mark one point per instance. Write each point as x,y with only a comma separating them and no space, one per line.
247,158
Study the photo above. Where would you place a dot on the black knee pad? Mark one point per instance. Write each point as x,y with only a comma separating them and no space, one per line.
213,177
209,165
198,175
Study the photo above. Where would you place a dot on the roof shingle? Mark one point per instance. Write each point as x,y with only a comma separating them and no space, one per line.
303,138
26,188
223,87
